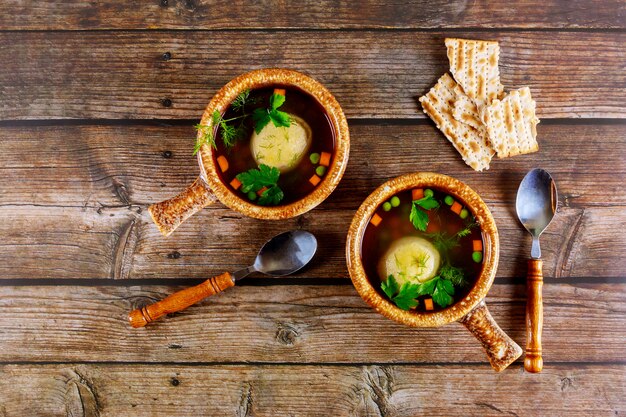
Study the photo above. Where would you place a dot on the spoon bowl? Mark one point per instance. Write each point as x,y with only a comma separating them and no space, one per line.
536,204
286,253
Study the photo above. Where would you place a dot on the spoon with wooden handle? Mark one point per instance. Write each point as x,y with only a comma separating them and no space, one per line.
536,204
282,255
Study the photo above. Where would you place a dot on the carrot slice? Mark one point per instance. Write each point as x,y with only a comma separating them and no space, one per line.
376,219
315,180
279,91
235,183
325,159
223,163
477,245
428,304
261,191
417,193
456,207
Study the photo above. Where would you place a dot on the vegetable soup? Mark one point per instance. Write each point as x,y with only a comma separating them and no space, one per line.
423,249
273,145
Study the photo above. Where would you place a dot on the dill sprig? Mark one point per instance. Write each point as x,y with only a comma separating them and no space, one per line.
230,132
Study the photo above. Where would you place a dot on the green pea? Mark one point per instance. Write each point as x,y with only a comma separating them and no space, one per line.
428,192
386,206
477,257
448,200
464,213
252,196
395,201
315,158
320,170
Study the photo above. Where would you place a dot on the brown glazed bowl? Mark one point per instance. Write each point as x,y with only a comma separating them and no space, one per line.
471,311
169,214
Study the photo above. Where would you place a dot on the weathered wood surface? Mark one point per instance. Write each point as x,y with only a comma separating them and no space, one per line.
84,190
112,165
73,200
292,324
324,14
119,243
326,390
123,75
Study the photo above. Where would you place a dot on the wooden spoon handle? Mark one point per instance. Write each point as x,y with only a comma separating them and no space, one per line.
533,362
169,214
180,300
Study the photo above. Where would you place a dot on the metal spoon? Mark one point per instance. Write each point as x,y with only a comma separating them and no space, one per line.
282,255
536,204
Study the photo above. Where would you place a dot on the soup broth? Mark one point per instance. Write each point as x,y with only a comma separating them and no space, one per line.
308,166
450,244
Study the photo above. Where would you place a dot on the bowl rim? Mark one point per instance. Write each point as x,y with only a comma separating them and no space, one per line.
491,248
263,78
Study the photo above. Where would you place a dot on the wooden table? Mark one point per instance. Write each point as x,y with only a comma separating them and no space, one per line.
98,103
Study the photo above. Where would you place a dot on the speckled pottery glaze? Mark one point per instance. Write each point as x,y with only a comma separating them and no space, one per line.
471,311
169,214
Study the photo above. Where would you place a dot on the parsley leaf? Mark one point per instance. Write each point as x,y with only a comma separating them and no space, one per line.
390,287
419,218
427,203
265,176
442,295
272,196
445,285
262,117
255,179
280,118
427,288
276,100
404,297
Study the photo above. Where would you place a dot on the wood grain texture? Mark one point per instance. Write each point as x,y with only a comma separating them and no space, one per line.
109,165
533,362
120,243
74,201
123,75
324,14
253,390
292,324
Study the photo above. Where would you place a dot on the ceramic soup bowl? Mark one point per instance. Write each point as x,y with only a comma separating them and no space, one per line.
470,310
209,186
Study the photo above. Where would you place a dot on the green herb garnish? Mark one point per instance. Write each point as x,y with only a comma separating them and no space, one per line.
230,132
263,177
404,297
418,216
263,116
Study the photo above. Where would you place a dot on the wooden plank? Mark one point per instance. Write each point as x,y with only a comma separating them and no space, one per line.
292,324
326,14
73,201
123,75
93,166
120,243
247,390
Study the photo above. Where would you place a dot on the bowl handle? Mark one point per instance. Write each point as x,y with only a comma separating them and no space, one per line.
501,349
169,214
